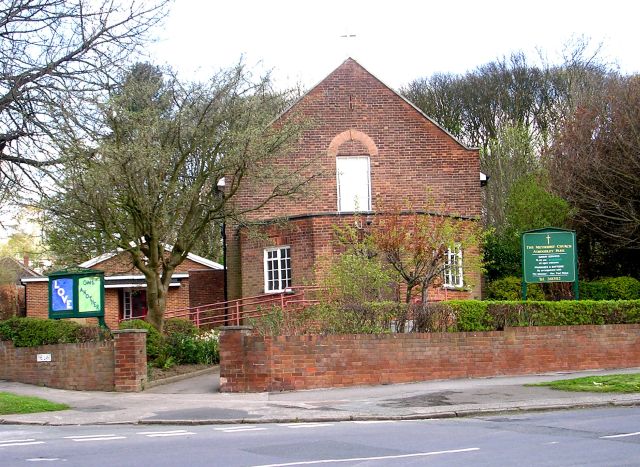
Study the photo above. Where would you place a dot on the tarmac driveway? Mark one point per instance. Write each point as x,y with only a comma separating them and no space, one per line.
208,383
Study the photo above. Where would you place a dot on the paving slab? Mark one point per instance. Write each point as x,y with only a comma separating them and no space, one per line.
196,401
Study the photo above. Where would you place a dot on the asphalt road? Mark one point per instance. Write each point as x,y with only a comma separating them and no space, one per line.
602,437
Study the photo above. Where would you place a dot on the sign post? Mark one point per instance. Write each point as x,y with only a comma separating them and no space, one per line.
549,255
77,293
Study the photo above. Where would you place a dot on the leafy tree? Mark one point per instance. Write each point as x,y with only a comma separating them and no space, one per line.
415,246
56,58
154,179
530,205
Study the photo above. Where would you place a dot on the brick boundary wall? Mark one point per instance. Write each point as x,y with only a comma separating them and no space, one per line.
116,365
250,363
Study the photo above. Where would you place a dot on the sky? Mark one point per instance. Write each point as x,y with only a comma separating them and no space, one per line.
398,41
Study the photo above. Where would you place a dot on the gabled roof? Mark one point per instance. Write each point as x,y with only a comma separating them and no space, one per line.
195,258
21,271
349,59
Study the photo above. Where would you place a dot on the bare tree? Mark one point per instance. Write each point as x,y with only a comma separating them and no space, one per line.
595,163
56,58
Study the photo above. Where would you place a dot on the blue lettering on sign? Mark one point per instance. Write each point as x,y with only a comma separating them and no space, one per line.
62,295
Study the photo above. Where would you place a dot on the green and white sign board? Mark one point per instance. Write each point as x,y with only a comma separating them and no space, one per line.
549,255
76,293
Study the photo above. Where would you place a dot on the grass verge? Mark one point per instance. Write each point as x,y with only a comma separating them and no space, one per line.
15,404
628,383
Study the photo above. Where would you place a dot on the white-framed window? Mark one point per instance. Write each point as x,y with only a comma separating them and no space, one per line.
453,276
277,269
354,183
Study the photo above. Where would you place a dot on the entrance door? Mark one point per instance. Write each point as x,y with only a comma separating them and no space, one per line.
134,304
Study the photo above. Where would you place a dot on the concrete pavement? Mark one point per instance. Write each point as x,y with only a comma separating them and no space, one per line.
196,401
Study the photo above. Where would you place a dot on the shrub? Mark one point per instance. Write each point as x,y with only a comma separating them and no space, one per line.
31,332
612,288
180,326
184,349
510,288
155,341
331,318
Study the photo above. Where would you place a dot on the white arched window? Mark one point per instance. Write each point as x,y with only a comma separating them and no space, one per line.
354,183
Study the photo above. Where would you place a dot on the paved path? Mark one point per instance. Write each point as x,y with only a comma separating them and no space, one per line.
194,401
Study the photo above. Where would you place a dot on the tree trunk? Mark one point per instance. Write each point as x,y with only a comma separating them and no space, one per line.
407,298
156,301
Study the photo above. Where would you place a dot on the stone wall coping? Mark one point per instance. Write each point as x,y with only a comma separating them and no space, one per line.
236,328
129,331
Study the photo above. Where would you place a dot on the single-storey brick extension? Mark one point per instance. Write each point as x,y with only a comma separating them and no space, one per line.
372,148
197,281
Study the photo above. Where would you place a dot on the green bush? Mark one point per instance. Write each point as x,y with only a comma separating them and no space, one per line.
184,349
470,315
31,332
612,288
181,344
155,341
510,288
180,326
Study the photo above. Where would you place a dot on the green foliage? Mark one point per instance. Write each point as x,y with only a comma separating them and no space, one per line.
180,326
155,341
510,288
184,348
501,255
31,332
330,318
446,316
355,278
532,205
612,288
181,344
487,315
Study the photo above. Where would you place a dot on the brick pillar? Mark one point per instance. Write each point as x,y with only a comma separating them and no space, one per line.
233,375
130,355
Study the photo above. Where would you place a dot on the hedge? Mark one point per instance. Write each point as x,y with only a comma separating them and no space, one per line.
611,288
31,332
472,315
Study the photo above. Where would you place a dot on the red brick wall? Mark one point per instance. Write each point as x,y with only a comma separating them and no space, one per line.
37,299
412,162
120,364
206,286
130,354
253,363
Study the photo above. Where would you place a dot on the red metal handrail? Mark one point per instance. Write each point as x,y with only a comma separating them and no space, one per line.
238,311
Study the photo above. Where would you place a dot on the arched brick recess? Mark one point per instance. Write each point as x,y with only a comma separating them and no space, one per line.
352,135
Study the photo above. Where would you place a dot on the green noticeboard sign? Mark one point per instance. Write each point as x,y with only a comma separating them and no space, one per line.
76,293
549,255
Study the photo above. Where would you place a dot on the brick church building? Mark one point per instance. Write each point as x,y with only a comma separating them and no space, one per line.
372,148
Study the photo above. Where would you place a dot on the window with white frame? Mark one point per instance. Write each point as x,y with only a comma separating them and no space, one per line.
453,276
277,269
354,183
